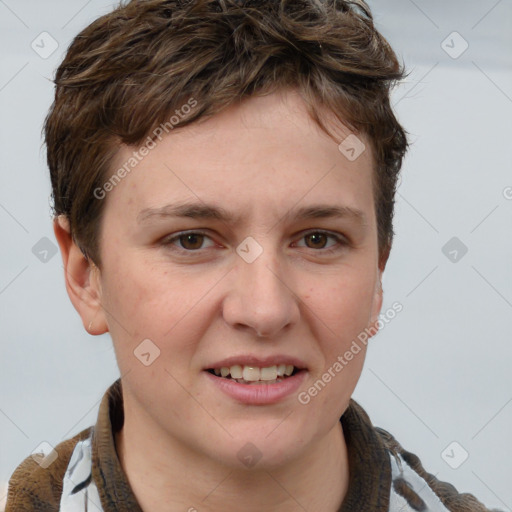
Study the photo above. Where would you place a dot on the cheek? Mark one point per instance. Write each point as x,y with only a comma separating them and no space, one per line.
134,301
139,293
147,302
339,315
344,305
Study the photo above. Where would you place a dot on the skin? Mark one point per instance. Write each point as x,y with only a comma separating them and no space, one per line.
200,302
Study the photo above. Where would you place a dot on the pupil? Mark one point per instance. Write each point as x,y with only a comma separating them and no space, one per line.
194,240
316,237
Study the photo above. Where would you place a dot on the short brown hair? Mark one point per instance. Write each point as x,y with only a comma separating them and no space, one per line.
129,70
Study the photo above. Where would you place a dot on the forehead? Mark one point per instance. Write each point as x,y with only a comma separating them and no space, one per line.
264,155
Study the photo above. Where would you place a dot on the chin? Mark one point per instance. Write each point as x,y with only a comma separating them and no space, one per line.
260,450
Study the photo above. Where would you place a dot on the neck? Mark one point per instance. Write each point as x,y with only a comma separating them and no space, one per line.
168,476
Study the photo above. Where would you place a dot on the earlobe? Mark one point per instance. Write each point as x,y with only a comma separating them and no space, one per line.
82,278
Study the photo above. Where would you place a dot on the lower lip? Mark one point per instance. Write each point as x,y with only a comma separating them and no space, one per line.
259,394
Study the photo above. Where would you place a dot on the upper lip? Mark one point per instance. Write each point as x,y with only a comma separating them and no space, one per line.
260,362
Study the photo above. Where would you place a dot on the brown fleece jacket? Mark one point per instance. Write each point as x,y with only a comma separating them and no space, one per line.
371,484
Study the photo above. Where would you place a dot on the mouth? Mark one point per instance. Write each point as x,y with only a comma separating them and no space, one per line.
253,380
254,375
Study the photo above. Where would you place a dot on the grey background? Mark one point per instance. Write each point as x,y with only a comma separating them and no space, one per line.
438,373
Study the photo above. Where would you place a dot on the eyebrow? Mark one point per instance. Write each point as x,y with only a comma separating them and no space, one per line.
206,211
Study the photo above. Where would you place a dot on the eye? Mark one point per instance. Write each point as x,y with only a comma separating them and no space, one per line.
319,239
193,241
189,241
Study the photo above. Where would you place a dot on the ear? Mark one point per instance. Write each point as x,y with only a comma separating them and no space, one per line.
376,304
373,326
82,277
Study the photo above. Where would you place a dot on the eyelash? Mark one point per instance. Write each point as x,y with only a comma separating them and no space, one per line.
341,241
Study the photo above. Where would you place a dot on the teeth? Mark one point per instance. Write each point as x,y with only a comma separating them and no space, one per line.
254,374
251,373
236,372
269,373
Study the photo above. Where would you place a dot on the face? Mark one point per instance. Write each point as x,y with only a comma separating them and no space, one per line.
247,240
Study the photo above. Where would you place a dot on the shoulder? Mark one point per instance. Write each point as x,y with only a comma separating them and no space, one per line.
407,467
37,486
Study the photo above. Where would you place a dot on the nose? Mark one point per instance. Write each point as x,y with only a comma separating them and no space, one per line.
260,298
